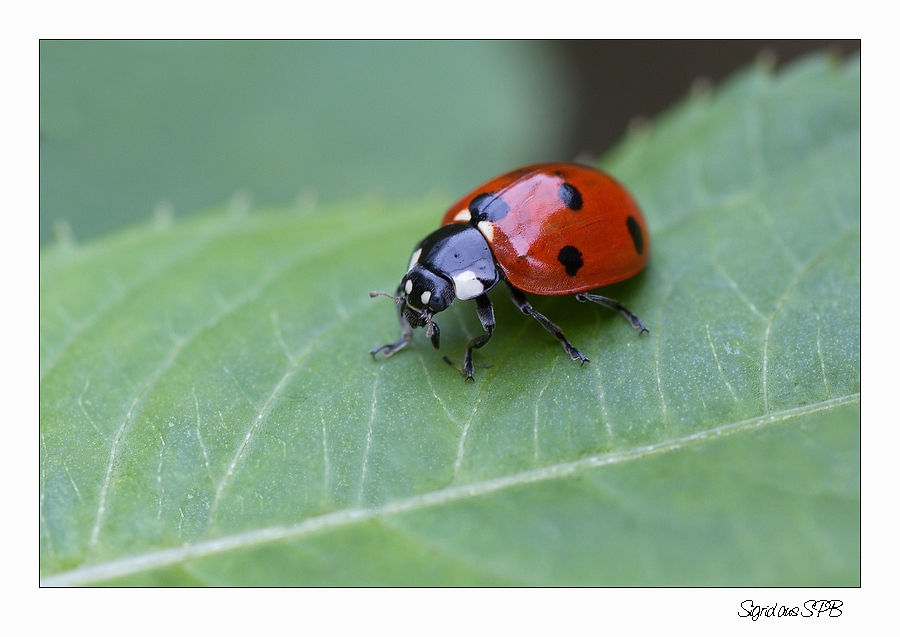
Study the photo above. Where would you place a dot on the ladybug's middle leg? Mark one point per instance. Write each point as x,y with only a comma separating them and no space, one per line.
524,306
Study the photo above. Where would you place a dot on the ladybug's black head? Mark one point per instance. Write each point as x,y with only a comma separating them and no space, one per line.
425,291
421,295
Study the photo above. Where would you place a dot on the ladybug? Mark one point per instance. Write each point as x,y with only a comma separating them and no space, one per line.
547,229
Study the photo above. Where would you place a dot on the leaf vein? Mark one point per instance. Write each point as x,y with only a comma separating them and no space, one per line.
122,293
789,289
273,396
365,461
166,557
460,451
164,365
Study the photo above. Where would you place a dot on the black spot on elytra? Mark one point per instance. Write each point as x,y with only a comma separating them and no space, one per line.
637,237
487,207
570,257
570,196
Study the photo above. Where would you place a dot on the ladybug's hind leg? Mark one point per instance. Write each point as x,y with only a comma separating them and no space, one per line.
486,315
524,306
618,307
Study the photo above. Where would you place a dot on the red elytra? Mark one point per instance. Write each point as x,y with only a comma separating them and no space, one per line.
607,232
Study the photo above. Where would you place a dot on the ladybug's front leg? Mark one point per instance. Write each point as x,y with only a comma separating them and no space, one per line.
486,315
524,306
391,348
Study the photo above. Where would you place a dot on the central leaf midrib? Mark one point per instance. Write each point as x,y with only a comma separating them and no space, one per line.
342,518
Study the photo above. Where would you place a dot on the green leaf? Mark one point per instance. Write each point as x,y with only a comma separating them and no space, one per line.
210,413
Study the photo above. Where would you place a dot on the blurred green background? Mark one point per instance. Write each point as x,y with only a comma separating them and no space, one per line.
128,127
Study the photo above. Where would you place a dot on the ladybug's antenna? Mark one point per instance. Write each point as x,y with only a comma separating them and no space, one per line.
390,296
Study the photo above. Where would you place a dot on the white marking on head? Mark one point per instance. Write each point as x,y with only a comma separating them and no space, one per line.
467,285
463,215
415,259
426,296
487,229
408,286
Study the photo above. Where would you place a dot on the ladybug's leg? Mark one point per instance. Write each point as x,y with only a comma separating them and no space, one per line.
522,303
486,315
391,348
614,305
